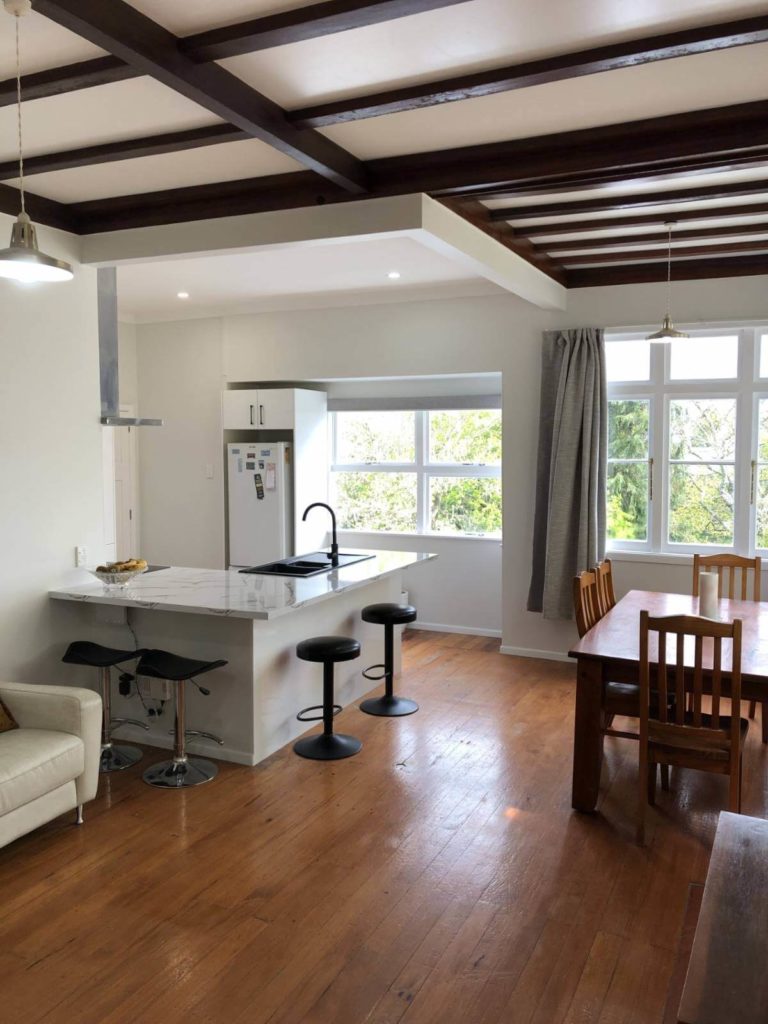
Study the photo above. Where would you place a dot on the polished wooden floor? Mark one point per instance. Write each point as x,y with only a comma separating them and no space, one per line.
439,876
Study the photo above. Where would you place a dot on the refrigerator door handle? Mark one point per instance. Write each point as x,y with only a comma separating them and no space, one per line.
261,415
251,408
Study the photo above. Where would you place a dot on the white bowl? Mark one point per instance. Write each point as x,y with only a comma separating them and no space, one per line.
116,579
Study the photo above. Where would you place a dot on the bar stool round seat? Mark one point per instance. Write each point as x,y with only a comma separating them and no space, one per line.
328,746
181,771
387,614
115,757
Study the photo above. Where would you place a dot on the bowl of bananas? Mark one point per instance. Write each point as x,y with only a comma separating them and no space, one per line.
119,574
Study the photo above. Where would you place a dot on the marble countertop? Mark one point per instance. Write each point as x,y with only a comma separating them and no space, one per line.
240,595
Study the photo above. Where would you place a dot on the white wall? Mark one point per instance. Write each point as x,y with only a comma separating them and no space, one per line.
50,459
180,381
488,334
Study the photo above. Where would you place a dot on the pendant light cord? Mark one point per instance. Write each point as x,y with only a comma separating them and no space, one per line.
18,116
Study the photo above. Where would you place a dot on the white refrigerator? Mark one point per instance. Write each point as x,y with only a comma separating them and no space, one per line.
260,502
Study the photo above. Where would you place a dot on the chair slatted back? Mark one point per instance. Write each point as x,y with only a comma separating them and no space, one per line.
586,603
605,592
681,729
732,575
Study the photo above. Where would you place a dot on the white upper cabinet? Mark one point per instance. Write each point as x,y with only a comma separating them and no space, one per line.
262,409
240,410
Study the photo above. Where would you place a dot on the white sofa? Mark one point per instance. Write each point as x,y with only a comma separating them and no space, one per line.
50,764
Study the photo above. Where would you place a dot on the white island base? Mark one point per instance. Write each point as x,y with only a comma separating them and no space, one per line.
255,623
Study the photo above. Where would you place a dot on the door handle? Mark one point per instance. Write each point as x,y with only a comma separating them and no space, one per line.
261,415
251,408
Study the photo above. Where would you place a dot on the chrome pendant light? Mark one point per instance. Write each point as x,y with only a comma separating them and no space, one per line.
668,330
22,260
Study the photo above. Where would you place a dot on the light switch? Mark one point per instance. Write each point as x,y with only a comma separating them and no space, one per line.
209,471
81,557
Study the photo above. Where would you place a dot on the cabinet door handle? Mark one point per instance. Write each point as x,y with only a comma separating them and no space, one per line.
261,415
251,408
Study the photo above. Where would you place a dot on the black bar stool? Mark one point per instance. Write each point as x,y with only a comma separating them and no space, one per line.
328,746
114,756
181,771
388,615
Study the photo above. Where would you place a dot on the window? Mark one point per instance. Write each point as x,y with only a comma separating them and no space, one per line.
418,471
687,461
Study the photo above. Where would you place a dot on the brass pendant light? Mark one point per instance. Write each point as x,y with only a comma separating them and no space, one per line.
668,330
22,260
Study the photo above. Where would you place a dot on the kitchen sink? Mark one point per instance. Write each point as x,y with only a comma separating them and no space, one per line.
306,565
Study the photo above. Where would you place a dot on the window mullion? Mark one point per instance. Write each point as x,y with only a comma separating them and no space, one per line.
421,426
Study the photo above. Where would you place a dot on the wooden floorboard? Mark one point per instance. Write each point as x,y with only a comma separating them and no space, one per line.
439,876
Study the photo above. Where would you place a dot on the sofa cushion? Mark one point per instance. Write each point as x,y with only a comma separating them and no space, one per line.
7,721
35,761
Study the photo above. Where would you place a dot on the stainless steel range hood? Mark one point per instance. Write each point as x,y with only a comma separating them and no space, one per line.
106,278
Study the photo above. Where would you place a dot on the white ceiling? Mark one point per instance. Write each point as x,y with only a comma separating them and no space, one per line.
310,276
456,40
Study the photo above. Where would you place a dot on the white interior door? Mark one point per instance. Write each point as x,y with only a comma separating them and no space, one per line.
126,488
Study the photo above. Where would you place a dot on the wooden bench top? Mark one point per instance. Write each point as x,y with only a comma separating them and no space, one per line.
727,980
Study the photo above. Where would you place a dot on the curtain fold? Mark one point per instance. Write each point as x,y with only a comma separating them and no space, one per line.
569,526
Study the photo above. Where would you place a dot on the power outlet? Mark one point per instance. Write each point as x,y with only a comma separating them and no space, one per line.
156,689
81,557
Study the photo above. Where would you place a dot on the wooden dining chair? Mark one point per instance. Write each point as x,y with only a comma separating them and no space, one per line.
605,593
733,573
621,699
586,602
670,734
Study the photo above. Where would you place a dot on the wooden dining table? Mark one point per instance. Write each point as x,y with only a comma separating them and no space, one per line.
610,652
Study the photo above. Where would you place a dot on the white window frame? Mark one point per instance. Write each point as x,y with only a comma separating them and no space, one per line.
747,388
422,467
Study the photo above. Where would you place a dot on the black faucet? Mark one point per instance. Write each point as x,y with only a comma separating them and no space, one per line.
334,543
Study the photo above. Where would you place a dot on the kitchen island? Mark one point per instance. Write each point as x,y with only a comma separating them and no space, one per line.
252,621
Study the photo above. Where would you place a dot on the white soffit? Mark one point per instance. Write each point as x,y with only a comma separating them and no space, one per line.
415,216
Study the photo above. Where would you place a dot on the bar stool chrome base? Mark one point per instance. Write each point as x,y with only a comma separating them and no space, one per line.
326,747
389,707
118,756
192,771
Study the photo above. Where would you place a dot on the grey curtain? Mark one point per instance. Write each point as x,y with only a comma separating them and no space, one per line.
569,530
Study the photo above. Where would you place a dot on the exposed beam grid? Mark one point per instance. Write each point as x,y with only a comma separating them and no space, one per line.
153,50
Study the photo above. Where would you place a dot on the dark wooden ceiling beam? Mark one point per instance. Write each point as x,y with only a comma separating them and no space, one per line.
695,234
651,255
153,50
689,270
303,23
571,227
40,209
110,152
85,74
538,72
698,193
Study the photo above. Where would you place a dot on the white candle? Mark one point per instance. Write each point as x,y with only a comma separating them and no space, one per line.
708,594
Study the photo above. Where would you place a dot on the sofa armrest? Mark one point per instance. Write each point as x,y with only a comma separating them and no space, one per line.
62,709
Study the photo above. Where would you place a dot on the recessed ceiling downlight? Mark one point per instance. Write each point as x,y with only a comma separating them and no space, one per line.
182,295
394,275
